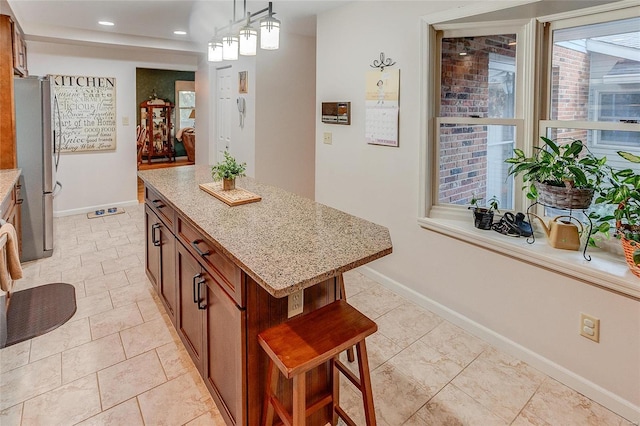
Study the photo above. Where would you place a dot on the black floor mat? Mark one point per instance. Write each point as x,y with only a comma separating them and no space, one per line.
39,310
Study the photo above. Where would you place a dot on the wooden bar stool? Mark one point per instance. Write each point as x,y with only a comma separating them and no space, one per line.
302,343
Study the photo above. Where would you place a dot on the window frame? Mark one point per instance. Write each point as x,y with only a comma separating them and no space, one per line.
523,119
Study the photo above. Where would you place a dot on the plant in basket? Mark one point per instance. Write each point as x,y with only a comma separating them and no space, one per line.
483,216
623,194
560,175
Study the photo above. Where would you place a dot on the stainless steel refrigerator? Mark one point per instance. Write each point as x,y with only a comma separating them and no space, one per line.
37,158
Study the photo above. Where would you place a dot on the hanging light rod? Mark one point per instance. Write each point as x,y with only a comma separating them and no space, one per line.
250,16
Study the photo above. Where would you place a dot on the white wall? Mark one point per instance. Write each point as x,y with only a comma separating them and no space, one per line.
529,311
102,179
278,138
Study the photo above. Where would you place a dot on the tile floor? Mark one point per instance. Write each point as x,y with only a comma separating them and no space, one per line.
118,361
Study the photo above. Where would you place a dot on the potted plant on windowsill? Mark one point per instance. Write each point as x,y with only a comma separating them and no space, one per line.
483,216
623,194
227,171
560,175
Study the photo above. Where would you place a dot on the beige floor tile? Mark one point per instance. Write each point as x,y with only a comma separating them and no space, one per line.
120,264
144,337
69,335
407,323
451,406
525,418
124,229
11,416
51,265
137,275
131,294
131,250
80,291
91,357
42,279
92,305
556,403
355,282
33,379
429,367
379,350
127,413
174,359
105,283
376,301
66,405
93,236
113,241
175,402
500,382
130,378
210,418
82,273
14,356
115,320
96,257
78,249
455,341
150,309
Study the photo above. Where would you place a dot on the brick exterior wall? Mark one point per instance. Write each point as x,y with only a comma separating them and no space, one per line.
569,91
465,93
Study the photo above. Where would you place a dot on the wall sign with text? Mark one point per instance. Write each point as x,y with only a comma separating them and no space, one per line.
84,108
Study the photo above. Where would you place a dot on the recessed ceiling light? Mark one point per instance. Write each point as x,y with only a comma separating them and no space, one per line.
179,32
106,23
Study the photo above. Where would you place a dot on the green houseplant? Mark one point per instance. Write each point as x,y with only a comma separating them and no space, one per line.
227,171
483,216
623,194
559,175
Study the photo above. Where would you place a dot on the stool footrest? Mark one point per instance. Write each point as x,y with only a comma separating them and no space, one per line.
349,374
344,416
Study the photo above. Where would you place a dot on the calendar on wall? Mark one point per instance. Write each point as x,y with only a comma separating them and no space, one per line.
382,107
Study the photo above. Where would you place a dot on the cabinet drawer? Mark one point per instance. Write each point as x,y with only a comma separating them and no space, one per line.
159,205
221,268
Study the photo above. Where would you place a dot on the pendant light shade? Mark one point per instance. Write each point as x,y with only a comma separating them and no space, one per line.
269,33
248,40
230,48
214,51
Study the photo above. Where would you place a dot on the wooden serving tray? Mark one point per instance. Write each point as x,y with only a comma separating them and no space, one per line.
233,197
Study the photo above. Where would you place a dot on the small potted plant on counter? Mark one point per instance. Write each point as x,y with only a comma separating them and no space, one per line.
560,175
483,216
623,197
227,171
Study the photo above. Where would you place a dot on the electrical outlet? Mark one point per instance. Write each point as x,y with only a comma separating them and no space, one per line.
590,327
328,138
125,120
296,303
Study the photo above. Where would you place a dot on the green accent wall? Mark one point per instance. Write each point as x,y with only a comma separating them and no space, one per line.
162,83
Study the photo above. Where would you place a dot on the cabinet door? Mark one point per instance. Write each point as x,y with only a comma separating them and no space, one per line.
224,365
167,285
190,321
152,252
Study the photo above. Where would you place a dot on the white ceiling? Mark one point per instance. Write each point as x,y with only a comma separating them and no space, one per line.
150,23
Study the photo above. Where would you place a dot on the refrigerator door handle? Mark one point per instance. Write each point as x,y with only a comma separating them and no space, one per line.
48,221
57,188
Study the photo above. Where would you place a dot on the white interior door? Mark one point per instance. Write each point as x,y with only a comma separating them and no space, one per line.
224,109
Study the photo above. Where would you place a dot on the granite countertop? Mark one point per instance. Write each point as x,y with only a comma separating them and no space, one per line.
8,178
284,242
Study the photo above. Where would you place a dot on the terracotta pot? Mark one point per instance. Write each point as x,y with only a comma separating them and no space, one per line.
228,184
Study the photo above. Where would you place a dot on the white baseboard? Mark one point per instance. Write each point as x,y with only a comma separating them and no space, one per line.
89,209
593,391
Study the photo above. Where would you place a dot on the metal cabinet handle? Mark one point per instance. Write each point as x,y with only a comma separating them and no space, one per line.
158,204
201,307
196,298
20,201
195,243
153,234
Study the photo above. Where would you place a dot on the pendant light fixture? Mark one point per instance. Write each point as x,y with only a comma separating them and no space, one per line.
214,51
269,32
230,45
248,39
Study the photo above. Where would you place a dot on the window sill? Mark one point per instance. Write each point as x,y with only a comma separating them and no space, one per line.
605,269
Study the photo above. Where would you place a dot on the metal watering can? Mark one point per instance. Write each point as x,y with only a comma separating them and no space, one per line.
562,234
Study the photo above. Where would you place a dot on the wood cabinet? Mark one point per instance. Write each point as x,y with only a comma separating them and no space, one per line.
155,117
19,52
219,311
11,212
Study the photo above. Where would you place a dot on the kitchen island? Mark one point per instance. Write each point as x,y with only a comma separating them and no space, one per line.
225,273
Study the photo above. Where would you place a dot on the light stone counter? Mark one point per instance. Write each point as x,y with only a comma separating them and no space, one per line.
8,178
284,242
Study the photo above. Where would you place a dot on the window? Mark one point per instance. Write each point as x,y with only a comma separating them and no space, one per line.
185,104
594,84
479,114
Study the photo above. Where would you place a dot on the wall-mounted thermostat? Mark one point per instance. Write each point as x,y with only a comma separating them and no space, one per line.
336,112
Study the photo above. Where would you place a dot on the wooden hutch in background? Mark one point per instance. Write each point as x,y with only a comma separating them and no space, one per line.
155,118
